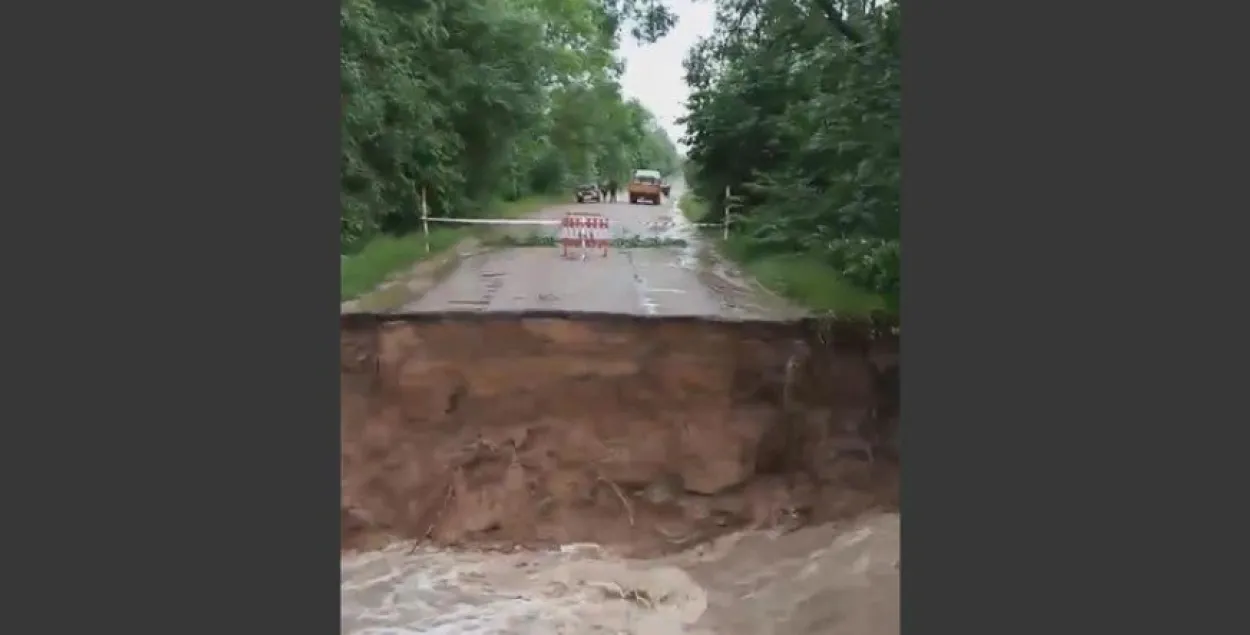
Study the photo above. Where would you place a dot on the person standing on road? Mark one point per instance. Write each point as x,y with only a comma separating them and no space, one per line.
612,186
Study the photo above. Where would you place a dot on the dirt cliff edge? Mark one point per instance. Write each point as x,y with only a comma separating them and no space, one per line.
648,433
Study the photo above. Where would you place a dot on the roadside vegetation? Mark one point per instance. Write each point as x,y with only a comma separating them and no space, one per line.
480,104
692,207
795,107
803,277
384,254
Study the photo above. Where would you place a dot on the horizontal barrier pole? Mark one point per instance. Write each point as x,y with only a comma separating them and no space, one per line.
497,221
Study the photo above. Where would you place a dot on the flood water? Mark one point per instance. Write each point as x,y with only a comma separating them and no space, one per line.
577,589
818,580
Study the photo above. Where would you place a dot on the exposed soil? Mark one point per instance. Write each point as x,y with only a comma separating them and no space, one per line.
489,499
579,431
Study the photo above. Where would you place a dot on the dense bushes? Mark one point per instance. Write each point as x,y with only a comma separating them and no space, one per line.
795,107
474,100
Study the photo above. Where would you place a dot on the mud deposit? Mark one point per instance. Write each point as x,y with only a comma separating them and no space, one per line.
647,435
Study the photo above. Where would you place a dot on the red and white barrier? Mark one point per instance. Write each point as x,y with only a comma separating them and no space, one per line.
582,230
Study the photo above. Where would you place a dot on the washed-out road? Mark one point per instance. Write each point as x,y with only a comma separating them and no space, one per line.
818,580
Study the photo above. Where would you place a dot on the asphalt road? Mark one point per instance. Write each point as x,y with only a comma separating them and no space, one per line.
647,281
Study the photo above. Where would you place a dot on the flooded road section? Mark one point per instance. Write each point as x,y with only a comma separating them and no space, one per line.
829,579
823,579
689,280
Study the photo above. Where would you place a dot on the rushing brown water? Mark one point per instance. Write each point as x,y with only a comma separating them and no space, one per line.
829,579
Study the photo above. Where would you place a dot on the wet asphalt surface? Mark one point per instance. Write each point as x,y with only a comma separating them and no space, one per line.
644,281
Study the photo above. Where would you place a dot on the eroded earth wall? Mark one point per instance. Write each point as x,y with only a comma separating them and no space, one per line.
652,433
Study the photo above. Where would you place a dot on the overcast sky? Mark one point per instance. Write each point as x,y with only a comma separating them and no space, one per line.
653,72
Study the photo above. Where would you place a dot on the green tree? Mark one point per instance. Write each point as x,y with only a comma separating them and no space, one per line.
473,100
795,106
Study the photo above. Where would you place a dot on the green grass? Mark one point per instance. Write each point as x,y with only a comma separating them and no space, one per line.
363,271
805,280
692,207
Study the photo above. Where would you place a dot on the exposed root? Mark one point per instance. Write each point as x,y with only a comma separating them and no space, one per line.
794,365
629,509
451,492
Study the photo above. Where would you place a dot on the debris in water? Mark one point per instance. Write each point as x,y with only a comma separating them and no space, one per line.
641,597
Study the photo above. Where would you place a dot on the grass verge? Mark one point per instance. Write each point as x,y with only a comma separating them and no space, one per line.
363,271
692,207
804,279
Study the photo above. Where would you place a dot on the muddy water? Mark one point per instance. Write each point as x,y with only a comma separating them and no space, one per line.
828,579
577,589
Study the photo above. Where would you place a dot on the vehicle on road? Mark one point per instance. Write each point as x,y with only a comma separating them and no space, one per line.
588,193
666,187
645,186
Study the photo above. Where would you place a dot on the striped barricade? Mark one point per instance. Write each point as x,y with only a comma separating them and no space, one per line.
582,230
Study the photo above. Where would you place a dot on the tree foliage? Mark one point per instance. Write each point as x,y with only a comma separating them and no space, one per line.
473,100
795,106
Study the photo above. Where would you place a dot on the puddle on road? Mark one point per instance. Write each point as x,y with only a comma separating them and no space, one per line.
736,293
696,253
648,304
